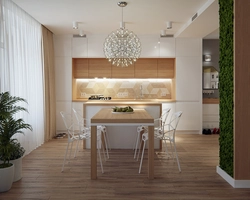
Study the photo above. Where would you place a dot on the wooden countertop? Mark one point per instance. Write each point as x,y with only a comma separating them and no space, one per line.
126,101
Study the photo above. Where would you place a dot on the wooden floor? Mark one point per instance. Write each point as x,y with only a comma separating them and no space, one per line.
42,177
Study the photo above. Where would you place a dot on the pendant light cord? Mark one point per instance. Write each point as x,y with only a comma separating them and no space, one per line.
122,15
122,25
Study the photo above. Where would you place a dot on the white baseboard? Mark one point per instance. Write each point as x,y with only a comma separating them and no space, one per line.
234,183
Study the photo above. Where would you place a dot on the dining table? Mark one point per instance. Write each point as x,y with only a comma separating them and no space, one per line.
107,117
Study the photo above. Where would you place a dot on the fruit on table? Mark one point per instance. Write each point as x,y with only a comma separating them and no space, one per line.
123,109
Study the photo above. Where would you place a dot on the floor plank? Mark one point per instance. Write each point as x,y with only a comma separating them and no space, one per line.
198,154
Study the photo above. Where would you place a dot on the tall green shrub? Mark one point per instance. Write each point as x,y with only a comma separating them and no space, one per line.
226,87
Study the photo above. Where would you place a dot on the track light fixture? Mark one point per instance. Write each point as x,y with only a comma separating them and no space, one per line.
75,25
81,33
163,33
169,25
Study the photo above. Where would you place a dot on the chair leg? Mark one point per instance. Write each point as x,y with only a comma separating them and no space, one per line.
142,154
66,152
177,159
167,152
171,146
139,150
103,149
70,151
107,138
136,144
100,158
77,142
106,143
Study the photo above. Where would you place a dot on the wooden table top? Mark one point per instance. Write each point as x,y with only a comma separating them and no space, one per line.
106,116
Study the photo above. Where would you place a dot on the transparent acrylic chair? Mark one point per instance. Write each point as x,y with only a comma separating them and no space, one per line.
165,133
76,133
159,122
83,122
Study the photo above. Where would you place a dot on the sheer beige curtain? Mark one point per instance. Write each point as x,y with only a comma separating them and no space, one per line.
49,84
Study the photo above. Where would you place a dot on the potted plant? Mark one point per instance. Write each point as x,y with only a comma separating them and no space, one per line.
10,148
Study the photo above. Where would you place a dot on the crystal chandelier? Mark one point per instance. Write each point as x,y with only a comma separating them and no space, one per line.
122,47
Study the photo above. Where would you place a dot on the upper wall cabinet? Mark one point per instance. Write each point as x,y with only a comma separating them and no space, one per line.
99,67
166,68
123,72
92,47
142,68
80,68
146,68
79,47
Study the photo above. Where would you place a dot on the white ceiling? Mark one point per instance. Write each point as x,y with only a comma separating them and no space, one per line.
143,17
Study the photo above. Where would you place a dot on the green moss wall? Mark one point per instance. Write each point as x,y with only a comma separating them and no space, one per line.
226,87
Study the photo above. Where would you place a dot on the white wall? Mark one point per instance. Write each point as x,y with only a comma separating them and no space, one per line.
188,54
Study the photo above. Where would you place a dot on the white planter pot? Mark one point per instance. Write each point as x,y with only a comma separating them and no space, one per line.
6,177
18,168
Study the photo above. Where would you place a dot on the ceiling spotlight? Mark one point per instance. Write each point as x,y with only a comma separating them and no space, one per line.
81,33
169,25
163,32
75,25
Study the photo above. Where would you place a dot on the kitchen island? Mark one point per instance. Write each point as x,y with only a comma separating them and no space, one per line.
122,137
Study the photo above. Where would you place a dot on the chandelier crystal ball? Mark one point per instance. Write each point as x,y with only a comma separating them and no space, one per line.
122,47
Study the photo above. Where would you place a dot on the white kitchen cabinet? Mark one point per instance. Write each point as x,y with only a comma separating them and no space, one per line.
150,47
79,47
169,105
95,46
189,84
189,78
191,119
167,47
